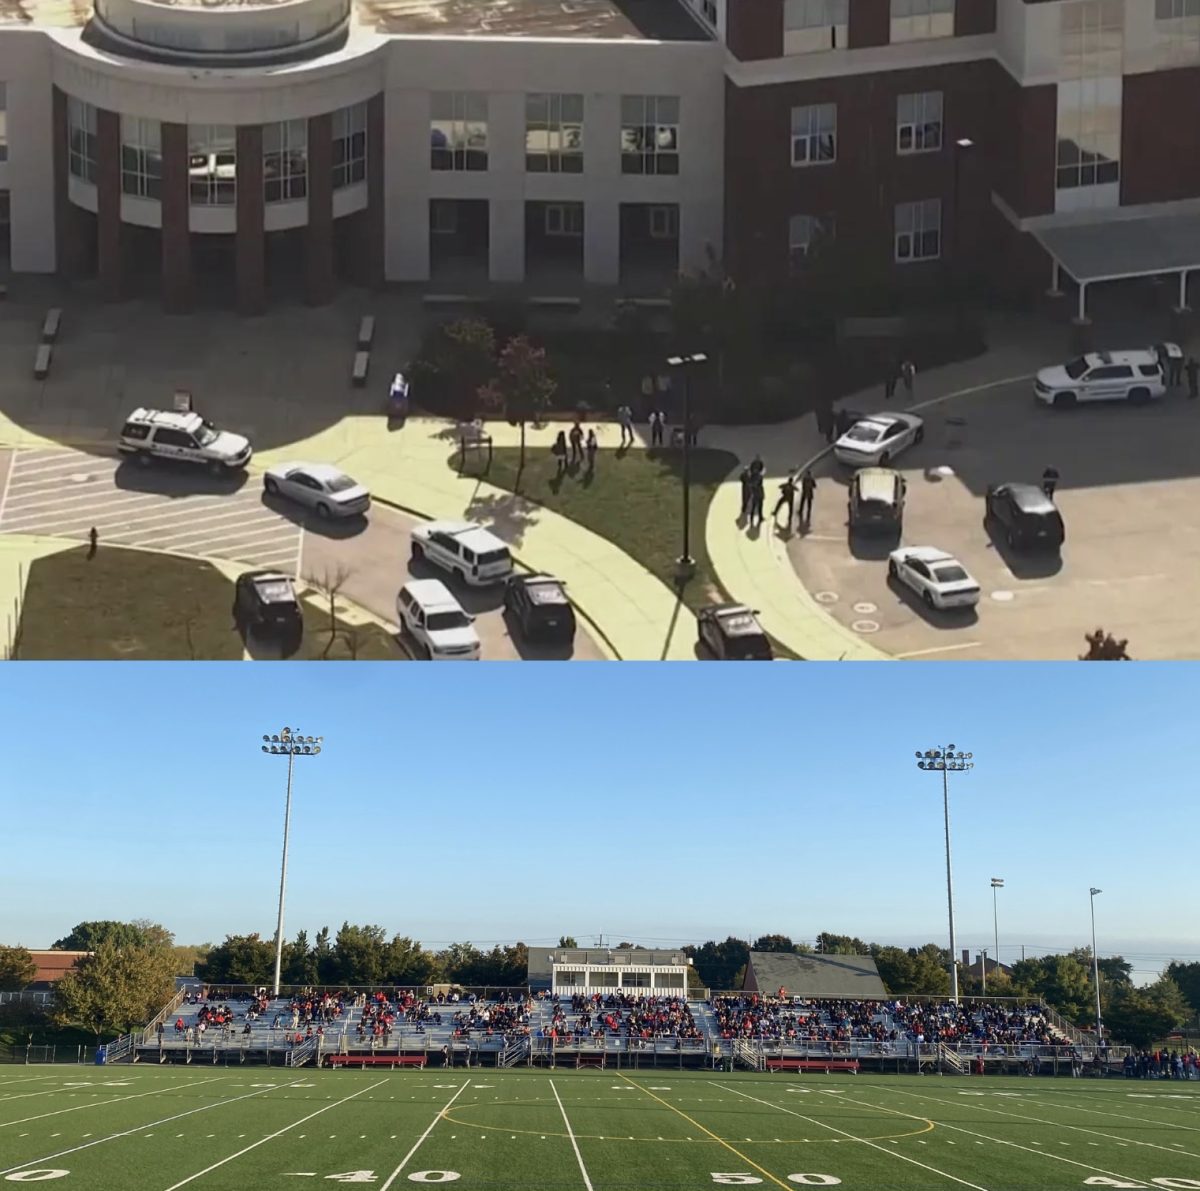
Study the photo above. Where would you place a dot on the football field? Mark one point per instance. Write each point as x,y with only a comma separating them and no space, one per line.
266,1129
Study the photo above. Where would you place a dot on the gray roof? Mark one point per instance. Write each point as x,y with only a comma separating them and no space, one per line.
850,976
539,958
1097,251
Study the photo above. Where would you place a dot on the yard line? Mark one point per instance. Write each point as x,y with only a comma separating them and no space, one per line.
421,1140
587,1182
1120,1116
271,1136
30,1095
861,1140
104,1103
138,1128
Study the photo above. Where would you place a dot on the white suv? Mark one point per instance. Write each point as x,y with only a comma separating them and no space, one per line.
1134,376
150,434
464,549
435,620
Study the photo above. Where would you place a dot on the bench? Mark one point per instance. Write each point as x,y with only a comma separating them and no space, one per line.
51,325
825,1065
451,299
390,1061
362,365
41,362
556,303
366,332
644,303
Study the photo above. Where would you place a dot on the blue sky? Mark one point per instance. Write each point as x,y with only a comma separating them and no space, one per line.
653,803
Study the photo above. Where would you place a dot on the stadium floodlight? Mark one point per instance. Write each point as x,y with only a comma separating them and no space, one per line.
997,883
944,760
1096,967
291,745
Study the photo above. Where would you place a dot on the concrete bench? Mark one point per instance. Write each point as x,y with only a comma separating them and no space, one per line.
51,325
362,365
366,332
552,302
41,362
826,1065
645,303
451,300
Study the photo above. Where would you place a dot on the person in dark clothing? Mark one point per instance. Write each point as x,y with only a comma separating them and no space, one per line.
559,450
93,541
825,421
1050,482
1175,367
889,385
656,428
592,447
808,488
1192,368
787,500
576,437
746,482
758,498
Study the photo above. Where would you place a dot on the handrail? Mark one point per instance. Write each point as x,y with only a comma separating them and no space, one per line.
171,1006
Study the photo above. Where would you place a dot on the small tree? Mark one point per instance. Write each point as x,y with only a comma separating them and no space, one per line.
17,969
116,988
1104,647
523,388
465,355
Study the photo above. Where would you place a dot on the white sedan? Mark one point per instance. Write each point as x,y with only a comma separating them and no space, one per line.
876,440
937,577
319,486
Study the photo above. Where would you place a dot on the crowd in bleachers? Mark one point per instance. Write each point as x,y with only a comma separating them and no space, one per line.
636,1020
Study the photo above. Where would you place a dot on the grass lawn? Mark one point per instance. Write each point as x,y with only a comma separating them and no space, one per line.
634,499
151,1128
138,605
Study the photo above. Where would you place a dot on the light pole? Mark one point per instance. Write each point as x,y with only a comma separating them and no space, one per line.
997,883
1096,967
983,971
290,744
686,364
943,760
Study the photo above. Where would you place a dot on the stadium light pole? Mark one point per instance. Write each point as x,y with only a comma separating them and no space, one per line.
1096,967
997,883
943,761
290,744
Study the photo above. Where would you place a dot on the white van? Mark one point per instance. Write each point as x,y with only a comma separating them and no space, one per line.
473,554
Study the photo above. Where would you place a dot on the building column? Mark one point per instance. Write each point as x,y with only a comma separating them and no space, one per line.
602,243
70,244
506,239
251,246
108,204
369,237
318,234
176,242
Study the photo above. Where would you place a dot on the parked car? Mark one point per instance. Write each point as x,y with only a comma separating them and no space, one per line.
318,486
875,440
435,620
539,605
1027,517
875,501
1134,376
731,633
474,554
937,577
150,434
265,603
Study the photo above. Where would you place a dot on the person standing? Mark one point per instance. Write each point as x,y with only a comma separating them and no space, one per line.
625,417
559,450
1050,482
758,498
576,437
656,428
592,447
1175,360
808,489
889,384
787,500
908,374
745,480
1192,368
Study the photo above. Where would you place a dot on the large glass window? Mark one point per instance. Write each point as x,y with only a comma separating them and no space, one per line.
1091,38
812,25
1089,133
212,165
349,146
1177,32
3,121
920,20
919,122
81,142
919,231
285,161
458,131
141,157
814,134
805,232
649,134
554,134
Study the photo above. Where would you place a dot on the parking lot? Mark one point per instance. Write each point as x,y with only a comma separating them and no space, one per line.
1129,493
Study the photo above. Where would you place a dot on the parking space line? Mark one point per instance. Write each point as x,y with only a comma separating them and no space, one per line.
235,541
213,524
22,507
923,653
154,513
7,481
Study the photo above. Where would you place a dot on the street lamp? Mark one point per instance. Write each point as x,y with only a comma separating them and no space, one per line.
962,147
686,363
997,883
945,760
290,744
1096,967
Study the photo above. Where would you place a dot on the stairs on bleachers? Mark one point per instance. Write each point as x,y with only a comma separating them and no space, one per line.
749,1054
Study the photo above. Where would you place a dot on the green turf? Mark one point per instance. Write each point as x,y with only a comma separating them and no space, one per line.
634,499
228,1129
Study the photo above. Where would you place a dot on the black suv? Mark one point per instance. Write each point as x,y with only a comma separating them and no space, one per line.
1026,515
265,602
731,633
539,605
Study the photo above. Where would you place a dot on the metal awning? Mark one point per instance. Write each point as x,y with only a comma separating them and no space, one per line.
1121,248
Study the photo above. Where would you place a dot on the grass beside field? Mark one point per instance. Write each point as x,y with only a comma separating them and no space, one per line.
230,1128
634,499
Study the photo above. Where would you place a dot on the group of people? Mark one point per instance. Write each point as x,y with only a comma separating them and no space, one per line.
1175,368
635,1020
568,458
1162,1064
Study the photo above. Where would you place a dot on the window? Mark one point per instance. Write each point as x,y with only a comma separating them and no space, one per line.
1089,133
458,131
570,978
649,134
812,25
1091,38
709,9
920,20
805,232
3,121
554,134
141,157
814,134
349,146
443,217
664,223
919,122
81,139
564,219
285,161
919,231
1177,31
212,165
